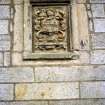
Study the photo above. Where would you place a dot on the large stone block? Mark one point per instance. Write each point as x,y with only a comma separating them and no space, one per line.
92,90
5,37
6,92
25,103
97,1
7,58
80,1
90,73
3,26
46,74
98,41
99,25
4,11
5,45
18,2
16,74
18,28
1,59
98,57
46,91
5,1
74,73
98,10
17,60
82,27
79,102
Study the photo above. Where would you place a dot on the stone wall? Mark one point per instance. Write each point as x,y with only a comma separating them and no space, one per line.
75,82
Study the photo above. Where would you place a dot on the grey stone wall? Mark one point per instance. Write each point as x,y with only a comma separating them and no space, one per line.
76,82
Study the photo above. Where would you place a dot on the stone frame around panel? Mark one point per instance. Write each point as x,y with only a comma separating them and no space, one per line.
28,53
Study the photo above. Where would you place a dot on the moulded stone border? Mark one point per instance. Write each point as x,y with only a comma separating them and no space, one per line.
80,35
28,54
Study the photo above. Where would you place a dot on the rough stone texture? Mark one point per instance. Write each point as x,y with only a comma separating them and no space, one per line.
1,59
6,92
61,102
5,1
98,10
7,59
90,73
25,80
18,28
99,25
74,73
4,12
79,102
4,37
46,91
80,1
97,1
5,45
19,2
3,26
25,103
56,74
98,57
83,27
17,60
92,90
17,74
98,41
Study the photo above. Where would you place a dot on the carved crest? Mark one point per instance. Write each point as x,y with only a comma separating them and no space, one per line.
49,27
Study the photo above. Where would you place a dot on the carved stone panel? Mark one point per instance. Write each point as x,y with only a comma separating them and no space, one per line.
50,29
47,30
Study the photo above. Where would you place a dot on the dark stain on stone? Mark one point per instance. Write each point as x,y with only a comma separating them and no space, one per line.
83,44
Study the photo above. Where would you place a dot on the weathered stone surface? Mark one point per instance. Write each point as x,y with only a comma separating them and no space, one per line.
61,102
6,92
98,41
5,1
25,103
92,90
3,26
17,60
83,27
91,25
4,37
20,1
91,73
98,57
1,59
18,28
4,11
74,73
79,102
84,57
16,74
7,59
56,74
97,1
80,1
46,91
5,45
99,25
98,10
50,32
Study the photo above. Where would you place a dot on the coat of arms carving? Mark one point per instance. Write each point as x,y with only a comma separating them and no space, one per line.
49,28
